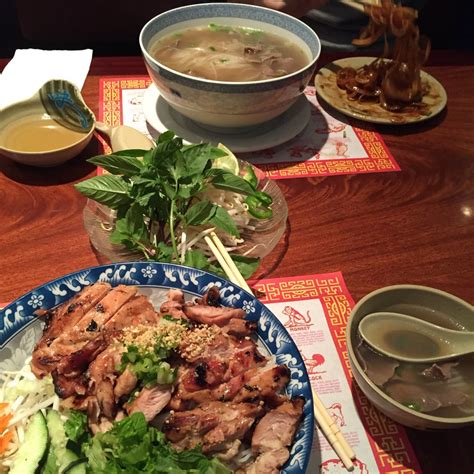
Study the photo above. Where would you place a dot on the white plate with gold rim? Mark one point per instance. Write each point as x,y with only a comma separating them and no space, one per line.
325,81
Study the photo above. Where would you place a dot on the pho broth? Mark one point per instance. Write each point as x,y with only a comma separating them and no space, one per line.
230,54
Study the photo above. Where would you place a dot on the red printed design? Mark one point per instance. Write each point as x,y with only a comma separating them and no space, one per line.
313,365
295,318
301,157
335,466
391,448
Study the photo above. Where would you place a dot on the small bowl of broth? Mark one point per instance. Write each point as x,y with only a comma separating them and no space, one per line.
48,129
228,65
435,395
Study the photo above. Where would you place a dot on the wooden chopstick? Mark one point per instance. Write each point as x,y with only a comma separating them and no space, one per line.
323,418
333,433
361,5
225,260
356,5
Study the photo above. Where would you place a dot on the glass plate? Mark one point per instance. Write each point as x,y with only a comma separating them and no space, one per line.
99,221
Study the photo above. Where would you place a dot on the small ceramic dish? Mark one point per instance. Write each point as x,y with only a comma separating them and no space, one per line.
429,304
433,101
51,127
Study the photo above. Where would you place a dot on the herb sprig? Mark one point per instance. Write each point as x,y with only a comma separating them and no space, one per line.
155,195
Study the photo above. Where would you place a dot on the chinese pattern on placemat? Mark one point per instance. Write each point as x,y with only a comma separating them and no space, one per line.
328,146
314,309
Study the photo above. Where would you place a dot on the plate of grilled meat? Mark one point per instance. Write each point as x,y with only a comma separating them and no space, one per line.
150,367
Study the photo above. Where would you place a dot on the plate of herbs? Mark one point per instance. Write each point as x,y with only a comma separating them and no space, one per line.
158,205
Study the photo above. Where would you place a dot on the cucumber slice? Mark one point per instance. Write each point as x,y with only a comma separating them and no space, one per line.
33,448
64,456
50,466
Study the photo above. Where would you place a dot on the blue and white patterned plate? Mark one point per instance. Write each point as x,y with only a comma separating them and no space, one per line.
20,329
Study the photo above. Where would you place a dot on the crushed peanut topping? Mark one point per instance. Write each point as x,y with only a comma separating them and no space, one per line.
194,342
167,333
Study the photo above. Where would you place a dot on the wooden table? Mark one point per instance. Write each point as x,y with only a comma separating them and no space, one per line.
414,226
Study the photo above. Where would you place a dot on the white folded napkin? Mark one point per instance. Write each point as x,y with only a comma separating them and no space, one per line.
29,69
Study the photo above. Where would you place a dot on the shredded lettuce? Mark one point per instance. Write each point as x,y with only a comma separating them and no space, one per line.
132,446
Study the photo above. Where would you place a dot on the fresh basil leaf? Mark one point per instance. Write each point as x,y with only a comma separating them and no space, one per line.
136,223
200,213
132,446
197,259
222,219
247,266
109,190
116,164
166,147
178,168
164,253
198,157
148,156
169,190
187,191
131,228
230,182
120,234
134,153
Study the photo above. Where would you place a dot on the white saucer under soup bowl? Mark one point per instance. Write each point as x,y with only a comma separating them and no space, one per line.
162,117
225,104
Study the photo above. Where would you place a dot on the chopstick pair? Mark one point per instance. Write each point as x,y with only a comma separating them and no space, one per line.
323,418
225,260
360,4
333,433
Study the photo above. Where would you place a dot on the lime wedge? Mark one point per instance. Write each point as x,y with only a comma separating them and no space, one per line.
228,162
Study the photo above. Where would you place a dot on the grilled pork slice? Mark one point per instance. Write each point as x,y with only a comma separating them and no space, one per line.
273,435
267,463
103,373
76,363
86,329
240,328
212,315
150,401
220,360
60,321
277,428
137,311
213,425
126,382
210,298
174,305
265,386
251,386
217,371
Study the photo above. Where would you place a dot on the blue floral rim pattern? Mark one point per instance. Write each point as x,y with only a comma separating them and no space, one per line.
229,10
17,316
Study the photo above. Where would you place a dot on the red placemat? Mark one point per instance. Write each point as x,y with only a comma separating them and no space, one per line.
328,145
314,309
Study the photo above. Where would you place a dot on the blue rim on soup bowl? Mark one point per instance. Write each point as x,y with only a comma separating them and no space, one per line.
221,103
386,299
20,328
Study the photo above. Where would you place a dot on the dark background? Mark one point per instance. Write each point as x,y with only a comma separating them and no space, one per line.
111,27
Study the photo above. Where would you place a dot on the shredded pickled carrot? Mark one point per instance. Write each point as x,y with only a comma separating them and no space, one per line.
5,435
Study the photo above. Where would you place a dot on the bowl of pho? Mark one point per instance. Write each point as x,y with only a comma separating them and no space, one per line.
420,395
228,65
